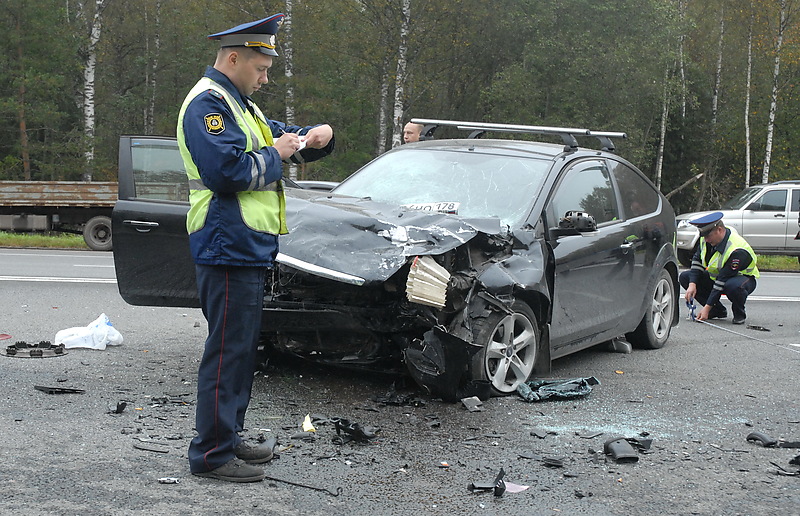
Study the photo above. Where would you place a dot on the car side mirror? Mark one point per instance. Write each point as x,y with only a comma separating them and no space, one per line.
575,223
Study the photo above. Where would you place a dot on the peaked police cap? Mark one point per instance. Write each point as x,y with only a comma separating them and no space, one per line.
258,35
707,222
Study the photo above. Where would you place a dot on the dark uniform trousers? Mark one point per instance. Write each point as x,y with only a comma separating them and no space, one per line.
231,298
736,289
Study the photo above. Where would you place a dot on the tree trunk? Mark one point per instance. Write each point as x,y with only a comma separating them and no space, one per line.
152,70
663,135
399,86
711,159
773,104
23,124
89,70
747,100
288,65
383,107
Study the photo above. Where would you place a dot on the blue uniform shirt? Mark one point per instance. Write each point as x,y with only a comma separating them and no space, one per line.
225,169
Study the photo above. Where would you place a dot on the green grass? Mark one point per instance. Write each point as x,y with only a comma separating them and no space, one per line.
39,240
778,263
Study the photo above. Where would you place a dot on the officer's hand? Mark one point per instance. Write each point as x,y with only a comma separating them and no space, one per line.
690,292
287,145
318,137
703,315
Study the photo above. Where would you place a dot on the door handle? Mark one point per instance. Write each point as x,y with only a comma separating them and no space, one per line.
141,226
779,215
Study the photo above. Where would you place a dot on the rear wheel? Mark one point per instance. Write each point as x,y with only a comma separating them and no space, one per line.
97,233
653,330
510,342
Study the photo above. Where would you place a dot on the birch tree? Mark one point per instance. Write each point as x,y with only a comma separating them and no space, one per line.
88,15
151,68
773,103
748,80
400,79
288,66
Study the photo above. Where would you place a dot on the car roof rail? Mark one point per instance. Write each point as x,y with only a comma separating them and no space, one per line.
478,129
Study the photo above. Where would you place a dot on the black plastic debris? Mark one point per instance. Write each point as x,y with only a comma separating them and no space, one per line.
439,364
58,390
151,447
769,442
538,390
118,409
43,349
553,462
620,345
620,450
399,400
305,436
497,486
347,431
757,327
473,404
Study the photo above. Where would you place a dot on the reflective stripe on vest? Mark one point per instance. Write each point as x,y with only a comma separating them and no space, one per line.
717,260
262,206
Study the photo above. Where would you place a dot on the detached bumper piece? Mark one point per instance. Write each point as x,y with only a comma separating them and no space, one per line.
44,349
58,390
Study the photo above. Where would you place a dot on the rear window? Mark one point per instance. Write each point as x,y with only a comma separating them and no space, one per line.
639,196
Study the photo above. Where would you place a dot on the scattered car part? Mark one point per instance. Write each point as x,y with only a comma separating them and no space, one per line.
497,486
620,345
473,404
538,390
152,447
768,442
337,492
620,450
348,431
58,390
44,349
169,480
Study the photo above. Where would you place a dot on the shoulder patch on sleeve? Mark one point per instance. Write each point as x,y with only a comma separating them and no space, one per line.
214,123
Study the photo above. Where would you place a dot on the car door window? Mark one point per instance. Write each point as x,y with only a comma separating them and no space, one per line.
795,206
158,172
587,187
774,200
637,195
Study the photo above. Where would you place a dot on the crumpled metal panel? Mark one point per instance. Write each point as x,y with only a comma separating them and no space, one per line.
369,239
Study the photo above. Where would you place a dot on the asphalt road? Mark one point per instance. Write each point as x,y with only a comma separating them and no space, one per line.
697,399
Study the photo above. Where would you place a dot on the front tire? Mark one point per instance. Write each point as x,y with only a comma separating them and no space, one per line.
653,330
510,343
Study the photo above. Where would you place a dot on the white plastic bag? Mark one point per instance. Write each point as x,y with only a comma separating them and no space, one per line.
97,335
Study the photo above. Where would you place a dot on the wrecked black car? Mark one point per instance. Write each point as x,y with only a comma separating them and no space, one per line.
471,262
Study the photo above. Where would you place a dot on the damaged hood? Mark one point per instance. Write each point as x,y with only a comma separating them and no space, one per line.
366,239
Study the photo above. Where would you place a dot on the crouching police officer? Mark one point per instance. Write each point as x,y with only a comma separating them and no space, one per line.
233,156
724,263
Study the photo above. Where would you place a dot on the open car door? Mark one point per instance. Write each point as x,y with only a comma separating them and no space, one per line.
151,247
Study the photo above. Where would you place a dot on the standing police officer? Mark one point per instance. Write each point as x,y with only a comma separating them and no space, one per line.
724,263
233,156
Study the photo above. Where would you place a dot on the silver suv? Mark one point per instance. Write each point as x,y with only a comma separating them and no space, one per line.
765,215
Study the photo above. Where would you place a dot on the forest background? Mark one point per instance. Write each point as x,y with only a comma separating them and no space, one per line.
706,90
